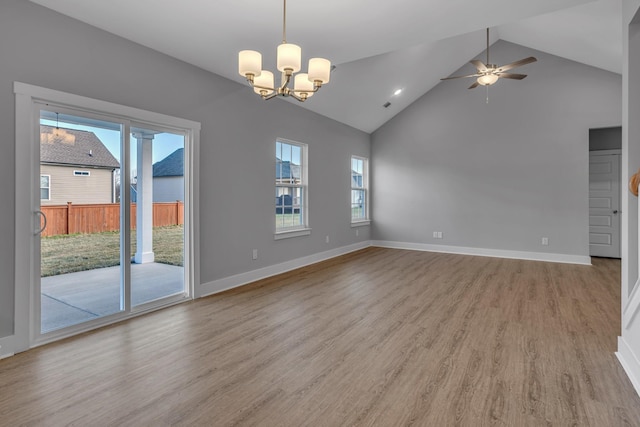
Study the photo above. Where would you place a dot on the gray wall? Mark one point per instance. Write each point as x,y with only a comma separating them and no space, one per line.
43,48
605,139
499,175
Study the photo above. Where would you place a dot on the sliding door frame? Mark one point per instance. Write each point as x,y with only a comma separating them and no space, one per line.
29,100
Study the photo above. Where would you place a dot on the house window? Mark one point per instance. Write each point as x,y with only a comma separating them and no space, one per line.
81,173
45,187
291,187
359,189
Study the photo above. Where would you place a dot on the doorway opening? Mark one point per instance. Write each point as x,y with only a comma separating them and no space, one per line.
605,192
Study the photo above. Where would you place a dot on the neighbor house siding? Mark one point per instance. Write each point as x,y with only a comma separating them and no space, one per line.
66,187
168,189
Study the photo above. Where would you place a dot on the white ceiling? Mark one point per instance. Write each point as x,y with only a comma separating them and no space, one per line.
377,46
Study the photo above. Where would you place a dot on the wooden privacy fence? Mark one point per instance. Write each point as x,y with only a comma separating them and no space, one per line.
86,219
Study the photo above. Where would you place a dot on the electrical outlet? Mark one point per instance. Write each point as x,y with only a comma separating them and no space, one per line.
255,254
435,234
357,232
545,241
326,239
439,234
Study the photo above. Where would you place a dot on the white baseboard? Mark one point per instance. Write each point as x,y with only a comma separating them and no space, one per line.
237,280
632,307
629,362
496,253
6,347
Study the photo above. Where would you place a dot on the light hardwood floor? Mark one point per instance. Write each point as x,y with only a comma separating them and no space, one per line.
379,337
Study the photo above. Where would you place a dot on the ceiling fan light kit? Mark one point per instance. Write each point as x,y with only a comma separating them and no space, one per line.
487,79
488,74
288,60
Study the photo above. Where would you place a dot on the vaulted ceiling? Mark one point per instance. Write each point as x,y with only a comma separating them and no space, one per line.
377,46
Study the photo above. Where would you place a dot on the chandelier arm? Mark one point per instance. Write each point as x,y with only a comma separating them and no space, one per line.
268,97
299,98
314,90
264,87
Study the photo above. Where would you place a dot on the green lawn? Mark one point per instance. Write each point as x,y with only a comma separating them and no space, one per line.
80,252
288,220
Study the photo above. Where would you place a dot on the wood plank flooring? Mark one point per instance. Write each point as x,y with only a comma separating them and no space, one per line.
380,337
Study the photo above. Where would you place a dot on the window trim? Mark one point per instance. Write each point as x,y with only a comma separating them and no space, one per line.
365,187
48,187
304,229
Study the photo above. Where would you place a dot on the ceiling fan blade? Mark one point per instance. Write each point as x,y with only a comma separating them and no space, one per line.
475,85
512,76
516,64
460,77
479,65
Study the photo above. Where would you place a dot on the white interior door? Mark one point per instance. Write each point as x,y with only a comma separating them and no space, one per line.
604,205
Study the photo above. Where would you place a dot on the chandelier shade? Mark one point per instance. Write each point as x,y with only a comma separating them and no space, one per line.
319,70
263,83
288,62
249,62
289,57
302,85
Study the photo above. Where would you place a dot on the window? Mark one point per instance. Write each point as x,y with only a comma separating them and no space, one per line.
45,187
291,186
359,190
81,173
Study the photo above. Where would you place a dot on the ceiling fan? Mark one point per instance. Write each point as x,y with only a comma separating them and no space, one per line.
487,74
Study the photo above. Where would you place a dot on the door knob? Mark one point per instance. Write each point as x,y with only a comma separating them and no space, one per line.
615,212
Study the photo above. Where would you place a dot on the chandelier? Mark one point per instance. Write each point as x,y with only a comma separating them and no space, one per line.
57,135
288,61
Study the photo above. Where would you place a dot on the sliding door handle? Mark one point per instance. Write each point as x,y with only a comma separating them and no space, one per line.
40,230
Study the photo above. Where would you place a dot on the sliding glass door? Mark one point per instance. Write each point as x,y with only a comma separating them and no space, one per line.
157,214
111,203
80,241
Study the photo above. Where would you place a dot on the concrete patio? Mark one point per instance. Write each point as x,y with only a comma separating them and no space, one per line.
73,298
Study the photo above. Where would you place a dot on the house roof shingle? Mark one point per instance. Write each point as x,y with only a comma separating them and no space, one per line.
87,150
172,165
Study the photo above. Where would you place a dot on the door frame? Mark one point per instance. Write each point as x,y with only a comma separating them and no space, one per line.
28,97
620,212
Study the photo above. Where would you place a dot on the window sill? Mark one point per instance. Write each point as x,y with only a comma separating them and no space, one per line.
288,234
362,223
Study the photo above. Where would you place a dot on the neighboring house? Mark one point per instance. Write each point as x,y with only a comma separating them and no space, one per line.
286,173
77,169
356,182
168,178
